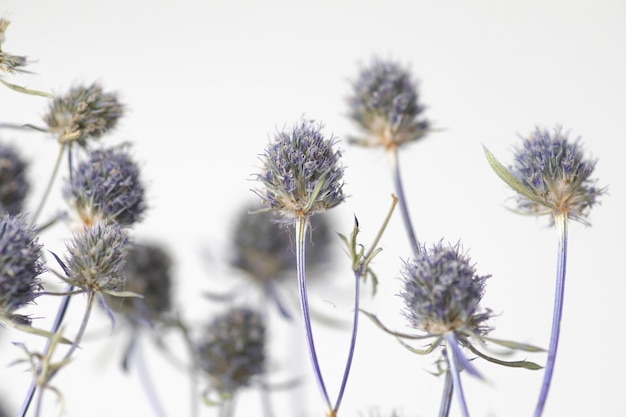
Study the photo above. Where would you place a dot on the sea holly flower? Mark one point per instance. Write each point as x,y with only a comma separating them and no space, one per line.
552,176
107,186
13,182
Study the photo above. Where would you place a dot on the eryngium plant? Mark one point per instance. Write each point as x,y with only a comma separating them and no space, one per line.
9,63
83,112
107,187
13,182
20,265
232,350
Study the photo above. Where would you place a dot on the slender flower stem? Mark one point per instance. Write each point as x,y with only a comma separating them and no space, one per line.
446,397
455,373
46,193
146,381
560,221
301,224
392,153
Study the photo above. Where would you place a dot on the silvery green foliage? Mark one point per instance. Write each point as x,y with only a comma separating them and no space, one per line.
20,263
9,63
442,292
107,186
385,104
232,349
302,173
13,183
96,258
84,112
555,171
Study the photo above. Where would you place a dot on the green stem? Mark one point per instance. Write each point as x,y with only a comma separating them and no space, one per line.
560,221
301,224
404,209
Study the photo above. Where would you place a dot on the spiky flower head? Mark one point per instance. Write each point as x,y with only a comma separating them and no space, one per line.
96,258
20,263
232,349
107,186
9,63
302,172
84,112
13,183
442,292
555,176
147,273
385,104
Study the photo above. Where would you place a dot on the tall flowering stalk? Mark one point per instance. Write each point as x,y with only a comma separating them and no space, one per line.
552,177
302,175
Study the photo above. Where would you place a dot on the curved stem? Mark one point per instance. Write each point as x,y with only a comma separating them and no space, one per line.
455,373
560,220
392,153
355,326
193,376
301,224
146,381
46,193
446,397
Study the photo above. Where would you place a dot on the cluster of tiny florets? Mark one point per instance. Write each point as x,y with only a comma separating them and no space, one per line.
232,349
13,183
9,63
442,292
96,258
556,171
385,105
107,186
302,173
82,113
147,273
20,263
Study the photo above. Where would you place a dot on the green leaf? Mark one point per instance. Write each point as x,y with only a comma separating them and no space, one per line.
511,364
25,90
514,345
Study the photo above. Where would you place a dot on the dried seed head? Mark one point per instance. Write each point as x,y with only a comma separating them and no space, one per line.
96,258
84,112
232,349
302,173
13,183
385,105
442,292
20,264
107,186
9,63
556,171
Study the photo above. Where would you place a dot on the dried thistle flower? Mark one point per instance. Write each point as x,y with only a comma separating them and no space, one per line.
96,258
385,104
20,264
302,173
9,63
84,112
232,349
107,187
13,183
147,273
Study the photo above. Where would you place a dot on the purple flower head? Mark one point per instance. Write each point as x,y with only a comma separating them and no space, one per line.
84,112
13,183
385,105
107,186
442,292
302,173
20,264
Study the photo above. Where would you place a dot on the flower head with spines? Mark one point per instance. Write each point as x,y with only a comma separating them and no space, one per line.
107,186
20,264
13,182
302,172
385,104
9,63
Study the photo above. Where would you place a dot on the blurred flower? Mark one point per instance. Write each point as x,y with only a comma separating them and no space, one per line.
13,183
301,173
20,264
232,349
9,63
107,186
84,112
385,105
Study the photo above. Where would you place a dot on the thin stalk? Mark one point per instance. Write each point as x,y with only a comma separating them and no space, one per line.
227,406
560,221
392,153
146,382
301,224
46,193
193,377
455,373
446,397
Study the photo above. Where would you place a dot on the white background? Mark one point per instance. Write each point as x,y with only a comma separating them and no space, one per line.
207,83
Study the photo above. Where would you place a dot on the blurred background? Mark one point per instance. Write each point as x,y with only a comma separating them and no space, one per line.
208,83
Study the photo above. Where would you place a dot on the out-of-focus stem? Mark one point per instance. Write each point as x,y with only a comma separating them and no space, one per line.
46,193
392,153
455,373
560,221
446,397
